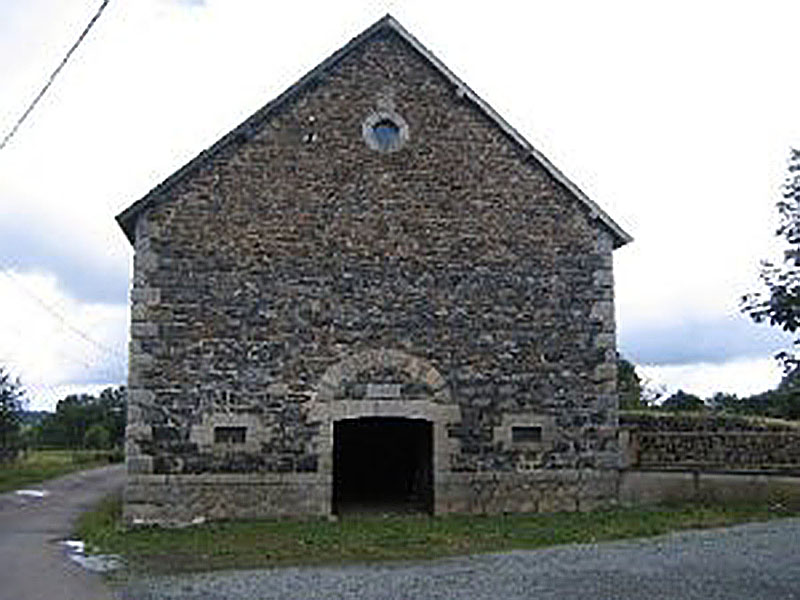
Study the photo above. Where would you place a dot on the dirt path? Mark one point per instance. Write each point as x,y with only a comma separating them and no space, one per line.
33,564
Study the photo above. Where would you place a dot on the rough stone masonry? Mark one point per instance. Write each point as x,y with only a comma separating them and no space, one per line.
376,246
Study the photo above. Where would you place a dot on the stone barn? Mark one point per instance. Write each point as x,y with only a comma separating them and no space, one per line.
373,294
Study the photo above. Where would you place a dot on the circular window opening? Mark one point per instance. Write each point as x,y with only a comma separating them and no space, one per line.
386,133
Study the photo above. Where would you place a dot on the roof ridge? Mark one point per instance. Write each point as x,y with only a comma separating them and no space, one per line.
127,218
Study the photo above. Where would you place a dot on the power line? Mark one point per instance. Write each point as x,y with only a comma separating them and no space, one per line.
47,85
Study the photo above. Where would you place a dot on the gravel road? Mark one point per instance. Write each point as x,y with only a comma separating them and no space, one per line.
754,562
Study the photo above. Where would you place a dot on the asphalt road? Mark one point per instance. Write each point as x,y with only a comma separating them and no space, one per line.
33,562
759,561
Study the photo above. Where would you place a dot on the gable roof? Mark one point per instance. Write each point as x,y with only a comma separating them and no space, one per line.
127,218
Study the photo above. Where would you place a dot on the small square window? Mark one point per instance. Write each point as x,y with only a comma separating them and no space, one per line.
229,435
526,434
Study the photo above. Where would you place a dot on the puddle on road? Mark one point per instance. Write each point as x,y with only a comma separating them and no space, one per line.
99,563
33,493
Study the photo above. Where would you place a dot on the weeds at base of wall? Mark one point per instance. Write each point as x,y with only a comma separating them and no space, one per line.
270,543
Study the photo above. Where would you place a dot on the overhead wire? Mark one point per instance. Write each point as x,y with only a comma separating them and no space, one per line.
120,359
53,76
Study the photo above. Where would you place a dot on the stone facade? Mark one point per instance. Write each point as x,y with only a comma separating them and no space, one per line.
301,272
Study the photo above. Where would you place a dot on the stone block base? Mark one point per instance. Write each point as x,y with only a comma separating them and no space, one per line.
643,487
535,491
175,500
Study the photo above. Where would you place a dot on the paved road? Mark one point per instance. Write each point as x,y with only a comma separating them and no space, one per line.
758,561
33,564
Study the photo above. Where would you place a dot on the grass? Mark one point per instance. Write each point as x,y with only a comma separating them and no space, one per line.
269,543
41,465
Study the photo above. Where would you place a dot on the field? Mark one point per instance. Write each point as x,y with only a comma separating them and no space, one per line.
39,465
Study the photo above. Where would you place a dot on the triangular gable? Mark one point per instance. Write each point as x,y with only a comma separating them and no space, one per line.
127,218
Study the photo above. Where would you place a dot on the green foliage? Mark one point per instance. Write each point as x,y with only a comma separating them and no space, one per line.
12,401
777,404
780,403
779,303
629,385
723,402
97,437
85,421
680,400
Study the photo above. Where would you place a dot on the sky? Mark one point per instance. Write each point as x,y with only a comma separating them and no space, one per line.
676,118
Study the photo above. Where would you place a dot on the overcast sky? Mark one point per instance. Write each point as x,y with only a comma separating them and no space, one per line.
677,119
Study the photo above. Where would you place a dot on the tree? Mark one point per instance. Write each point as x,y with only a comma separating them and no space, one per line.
779,303
724,401
97,438
629,385
680,400
12,402
113,402
76,415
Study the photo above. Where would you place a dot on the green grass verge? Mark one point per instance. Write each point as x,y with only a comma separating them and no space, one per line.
268,543
41,465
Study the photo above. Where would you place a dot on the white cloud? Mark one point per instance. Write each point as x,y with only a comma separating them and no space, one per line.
50,341
189,3
693,339
675,118
741,377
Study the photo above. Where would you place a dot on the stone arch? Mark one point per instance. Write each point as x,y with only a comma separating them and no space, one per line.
415,368
332,404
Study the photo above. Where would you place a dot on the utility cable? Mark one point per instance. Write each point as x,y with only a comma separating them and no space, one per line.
47,85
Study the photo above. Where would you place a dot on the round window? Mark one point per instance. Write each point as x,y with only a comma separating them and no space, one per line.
385,132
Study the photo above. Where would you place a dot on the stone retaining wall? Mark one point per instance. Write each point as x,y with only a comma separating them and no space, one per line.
729,450
648,487
700,441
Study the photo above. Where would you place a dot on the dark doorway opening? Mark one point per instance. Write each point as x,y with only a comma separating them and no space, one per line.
382,464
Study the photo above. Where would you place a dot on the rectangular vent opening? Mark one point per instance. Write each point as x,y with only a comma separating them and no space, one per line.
526,434
229,435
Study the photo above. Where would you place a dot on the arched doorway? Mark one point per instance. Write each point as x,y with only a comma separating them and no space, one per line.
382,464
